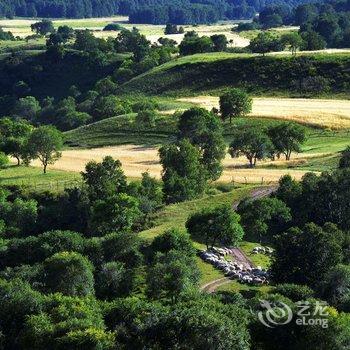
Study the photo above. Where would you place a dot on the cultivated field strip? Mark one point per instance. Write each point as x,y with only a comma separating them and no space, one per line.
333,114
138,159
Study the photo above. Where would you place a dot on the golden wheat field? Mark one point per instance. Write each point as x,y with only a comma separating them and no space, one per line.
138,159
333,114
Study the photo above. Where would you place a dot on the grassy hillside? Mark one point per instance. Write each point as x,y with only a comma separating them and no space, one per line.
268,75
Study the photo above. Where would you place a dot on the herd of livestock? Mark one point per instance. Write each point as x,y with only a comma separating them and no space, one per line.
223,259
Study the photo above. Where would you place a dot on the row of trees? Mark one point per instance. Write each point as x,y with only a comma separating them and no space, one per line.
321,24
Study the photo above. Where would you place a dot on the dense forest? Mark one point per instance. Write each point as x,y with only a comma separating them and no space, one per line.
321,24
141,11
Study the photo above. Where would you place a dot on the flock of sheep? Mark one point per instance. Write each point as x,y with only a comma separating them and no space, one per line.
243,272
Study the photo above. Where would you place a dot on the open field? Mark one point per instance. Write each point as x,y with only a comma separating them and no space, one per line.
33,178
333,114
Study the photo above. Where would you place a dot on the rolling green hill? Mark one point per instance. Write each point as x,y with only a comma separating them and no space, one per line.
270,75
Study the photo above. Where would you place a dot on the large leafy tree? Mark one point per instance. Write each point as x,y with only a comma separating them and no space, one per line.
45,143
13,136
235,103
335,288
263,218
305,256
204,130
104,179
171,275
287,138
183,175
69,273
265,42
253,143
114,213
213,226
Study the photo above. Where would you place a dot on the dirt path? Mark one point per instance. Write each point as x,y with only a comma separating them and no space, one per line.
238,254
258,193
212,286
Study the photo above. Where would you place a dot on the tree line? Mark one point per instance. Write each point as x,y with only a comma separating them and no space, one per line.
140,11
321,24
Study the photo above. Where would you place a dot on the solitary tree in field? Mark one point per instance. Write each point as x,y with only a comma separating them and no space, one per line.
235,103
252,143
287,138
45,143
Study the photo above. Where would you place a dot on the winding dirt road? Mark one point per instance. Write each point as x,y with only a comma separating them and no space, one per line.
238,254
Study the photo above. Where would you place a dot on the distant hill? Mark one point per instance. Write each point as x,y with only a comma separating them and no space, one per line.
142,11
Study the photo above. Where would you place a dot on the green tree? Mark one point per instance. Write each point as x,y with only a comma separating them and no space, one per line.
287,138
115,213
69,273
263,218
27,108
171,275
45,143
305,256
312,41
13,136
192,44
145,118
235,103
253,143
104,179
213,226
335,288
43,27
113,281
172,239
106,87
184,176
344,161
122,247
149,194
220,42
265,42
292,40
204,130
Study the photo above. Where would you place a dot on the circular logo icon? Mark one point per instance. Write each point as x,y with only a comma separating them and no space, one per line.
274,315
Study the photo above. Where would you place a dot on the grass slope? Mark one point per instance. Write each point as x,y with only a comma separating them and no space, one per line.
270,75
33,179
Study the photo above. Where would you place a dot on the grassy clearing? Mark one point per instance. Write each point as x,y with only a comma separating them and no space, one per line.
32,178
175,215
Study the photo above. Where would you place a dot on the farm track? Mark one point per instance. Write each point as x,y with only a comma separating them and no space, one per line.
238,254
